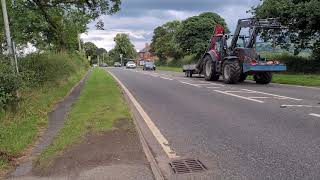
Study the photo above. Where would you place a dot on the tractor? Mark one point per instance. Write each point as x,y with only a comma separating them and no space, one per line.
236,62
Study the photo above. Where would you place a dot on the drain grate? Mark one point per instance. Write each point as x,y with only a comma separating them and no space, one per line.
184,166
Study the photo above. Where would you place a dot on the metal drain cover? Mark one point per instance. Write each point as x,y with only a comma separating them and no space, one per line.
183,166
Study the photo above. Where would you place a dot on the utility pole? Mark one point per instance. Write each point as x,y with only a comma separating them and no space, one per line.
7,29
121,55
98,61
79,43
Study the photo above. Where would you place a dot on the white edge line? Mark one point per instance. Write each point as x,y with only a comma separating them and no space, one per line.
166,78
258,92
239,96
315,115
153,128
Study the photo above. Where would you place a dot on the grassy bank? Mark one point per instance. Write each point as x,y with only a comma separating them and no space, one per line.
20,129
98,106
293,79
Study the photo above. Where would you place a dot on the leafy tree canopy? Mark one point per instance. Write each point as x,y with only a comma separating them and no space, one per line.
194,32
124,46
301,17
163,41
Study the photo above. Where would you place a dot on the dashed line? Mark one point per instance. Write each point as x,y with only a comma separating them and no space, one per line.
190,84
166,78
284,97
297,105
234,95
315,115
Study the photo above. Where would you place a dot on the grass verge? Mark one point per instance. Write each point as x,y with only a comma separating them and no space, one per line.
20,129
100,104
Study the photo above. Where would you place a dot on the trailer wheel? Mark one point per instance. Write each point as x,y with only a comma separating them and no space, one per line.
243,77
231,72
209,70
263,77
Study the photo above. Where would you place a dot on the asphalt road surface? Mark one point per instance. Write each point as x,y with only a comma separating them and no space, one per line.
243,131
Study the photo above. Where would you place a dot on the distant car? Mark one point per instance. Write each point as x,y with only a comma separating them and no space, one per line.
149,66
117,64
103,65
94,65
131,65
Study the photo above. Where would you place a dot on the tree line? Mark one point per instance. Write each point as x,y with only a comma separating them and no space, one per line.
123,46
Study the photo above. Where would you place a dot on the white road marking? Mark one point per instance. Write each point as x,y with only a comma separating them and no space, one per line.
259,97
315,115
239,96
153,128
213,87
284,97
217,84
239,92
296,105
190,84
166,78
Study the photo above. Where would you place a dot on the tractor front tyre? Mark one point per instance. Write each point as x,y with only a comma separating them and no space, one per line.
243,77
263,77
210,70
231,72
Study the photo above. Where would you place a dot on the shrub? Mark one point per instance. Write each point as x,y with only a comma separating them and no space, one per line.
10,82
297,64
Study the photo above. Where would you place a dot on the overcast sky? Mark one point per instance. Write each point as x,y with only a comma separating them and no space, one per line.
138,18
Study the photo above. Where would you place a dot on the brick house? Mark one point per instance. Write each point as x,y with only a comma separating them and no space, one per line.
146,55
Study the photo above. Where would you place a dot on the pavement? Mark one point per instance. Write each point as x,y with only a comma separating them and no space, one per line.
242,131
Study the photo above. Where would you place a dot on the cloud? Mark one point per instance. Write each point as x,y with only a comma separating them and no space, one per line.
138,18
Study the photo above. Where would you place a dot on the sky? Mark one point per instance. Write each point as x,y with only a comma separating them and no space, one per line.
139,18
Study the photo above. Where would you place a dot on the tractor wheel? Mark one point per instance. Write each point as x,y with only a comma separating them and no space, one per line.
243,77
231,72
263,77
209,70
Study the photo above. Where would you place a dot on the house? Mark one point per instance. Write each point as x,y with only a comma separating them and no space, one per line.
146,55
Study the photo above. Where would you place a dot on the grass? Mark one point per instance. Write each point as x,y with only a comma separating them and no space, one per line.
293,79
20,129
99,105
297,79
168,68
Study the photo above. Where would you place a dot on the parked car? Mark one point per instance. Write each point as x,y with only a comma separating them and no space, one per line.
131,65
94,65
117,64
149,66
103,65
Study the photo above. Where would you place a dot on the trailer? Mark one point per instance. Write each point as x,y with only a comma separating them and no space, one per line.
234,63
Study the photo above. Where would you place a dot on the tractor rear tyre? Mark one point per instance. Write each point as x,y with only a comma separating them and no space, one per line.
243,77
263,77
210,70
231,72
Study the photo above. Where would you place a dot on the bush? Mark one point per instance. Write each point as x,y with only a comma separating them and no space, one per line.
297,64
10,82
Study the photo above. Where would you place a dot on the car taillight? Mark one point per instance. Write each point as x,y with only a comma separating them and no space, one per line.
254,62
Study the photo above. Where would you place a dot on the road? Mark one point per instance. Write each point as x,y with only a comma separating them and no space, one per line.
243,131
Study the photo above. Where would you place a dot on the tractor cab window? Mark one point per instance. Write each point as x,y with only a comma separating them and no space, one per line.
218,44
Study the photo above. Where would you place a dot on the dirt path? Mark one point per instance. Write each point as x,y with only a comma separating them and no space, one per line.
56,121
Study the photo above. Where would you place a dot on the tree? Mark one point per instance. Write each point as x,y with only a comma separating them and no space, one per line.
194,32
55,24
301,17
90,49
163,41
124,46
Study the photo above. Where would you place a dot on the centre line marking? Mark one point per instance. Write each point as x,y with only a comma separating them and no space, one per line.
285,97
226,93
315,115
153,128
166,78
309,106
213,87
190,84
